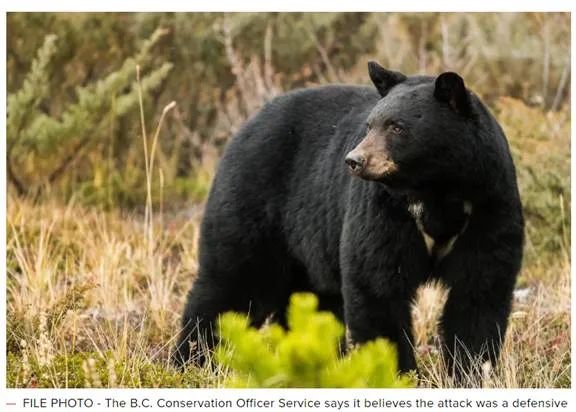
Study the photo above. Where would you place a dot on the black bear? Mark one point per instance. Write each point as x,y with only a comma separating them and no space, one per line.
360,196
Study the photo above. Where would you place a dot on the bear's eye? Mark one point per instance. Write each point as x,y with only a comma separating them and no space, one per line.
396,129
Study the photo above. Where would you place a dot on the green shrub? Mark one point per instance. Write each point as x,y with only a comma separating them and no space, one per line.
307,355
44,147
540,144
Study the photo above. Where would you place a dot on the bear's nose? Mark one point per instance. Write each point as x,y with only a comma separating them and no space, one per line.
355,162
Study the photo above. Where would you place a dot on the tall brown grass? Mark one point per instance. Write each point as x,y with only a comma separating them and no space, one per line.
82,282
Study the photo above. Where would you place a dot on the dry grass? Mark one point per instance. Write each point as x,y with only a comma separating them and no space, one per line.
82,283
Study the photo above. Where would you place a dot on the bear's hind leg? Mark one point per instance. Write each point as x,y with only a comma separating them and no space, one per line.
258,288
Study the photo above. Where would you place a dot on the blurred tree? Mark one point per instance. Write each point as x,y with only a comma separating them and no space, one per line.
226,66
42,147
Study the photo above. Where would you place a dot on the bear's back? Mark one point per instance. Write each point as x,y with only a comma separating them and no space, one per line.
287,139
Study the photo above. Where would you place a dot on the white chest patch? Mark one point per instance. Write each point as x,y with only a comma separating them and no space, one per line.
437,250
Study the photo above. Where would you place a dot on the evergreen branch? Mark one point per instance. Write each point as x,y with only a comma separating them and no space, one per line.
31,130
22,103
94,102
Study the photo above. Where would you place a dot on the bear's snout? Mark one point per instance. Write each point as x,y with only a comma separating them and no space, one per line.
355,161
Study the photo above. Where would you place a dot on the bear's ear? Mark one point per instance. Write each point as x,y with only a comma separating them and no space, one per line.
450,88
384,79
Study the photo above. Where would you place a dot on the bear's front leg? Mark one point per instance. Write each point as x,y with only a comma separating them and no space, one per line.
370,315
474,324
481,273
383,260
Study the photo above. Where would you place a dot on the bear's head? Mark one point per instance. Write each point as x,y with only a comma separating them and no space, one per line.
419,133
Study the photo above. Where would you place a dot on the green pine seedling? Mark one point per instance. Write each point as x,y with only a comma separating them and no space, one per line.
306,355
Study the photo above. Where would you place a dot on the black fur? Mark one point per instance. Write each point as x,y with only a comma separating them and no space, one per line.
284,215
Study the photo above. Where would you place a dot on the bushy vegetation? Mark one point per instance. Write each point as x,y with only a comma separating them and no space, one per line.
43,148
80,124
540,143
307,355
96,287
